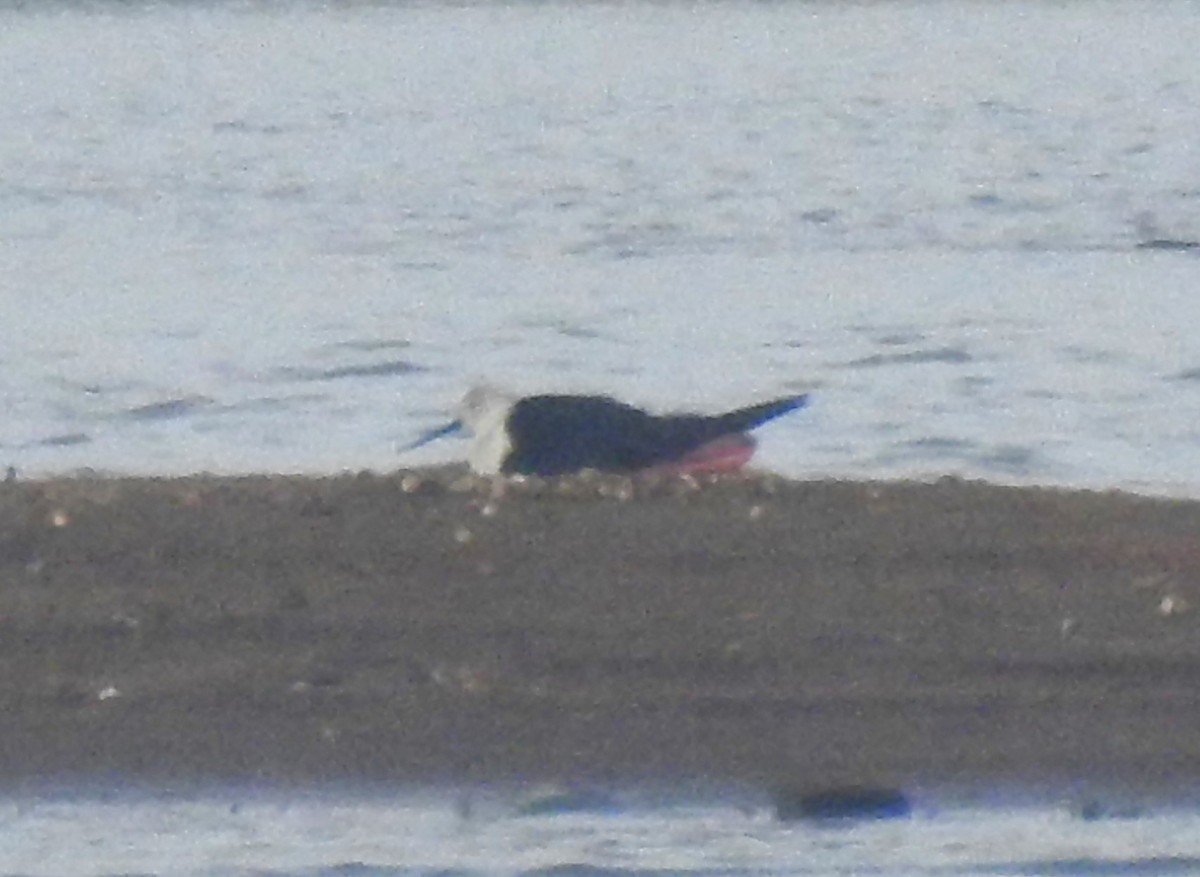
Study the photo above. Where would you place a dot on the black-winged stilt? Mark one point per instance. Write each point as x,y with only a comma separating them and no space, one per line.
560,434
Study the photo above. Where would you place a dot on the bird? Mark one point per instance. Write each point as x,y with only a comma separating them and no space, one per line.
560,434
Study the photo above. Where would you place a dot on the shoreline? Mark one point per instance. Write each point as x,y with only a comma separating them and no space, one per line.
427,627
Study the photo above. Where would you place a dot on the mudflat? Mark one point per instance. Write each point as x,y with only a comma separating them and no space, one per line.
430,626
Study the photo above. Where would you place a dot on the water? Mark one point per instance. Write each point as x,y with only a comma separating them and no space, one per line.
286,237
419,833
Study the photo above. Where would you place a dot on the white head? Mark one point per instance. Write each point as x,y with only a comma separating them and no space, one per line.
484,412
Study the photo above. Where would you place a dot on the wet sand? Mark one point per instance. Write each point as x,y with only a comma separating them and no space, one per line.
427,627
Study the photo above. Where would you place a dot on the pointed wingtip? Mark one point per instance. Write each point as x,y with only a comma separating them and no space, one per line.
791,403
786,406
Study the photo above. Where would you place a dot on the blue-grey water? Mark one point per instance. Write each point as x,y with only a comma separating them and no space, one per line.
285,236
265,834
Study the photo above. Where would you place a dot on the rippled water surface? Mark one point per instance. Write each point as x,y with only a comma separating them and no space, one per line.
286,236
237,833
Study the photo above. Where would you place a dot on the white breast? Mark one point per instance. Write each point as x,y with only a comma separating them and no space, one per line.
491,444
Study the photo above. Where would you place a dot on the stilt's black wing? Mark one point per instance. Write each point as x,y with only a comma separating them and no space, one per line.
746,419
553,435
680,434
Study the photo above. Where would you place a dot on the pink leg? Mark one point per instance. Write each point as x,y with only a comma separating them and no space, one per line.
726,454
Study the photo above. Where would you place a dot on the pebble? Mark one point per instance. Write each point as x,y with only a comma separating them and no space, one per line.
1172,605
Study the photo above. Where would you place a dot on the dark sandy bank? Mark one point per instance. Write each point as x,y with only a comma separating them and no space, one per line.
426,627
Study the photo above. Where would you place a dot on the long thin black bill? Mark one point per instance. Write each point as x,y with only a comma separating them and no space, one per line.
434,434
